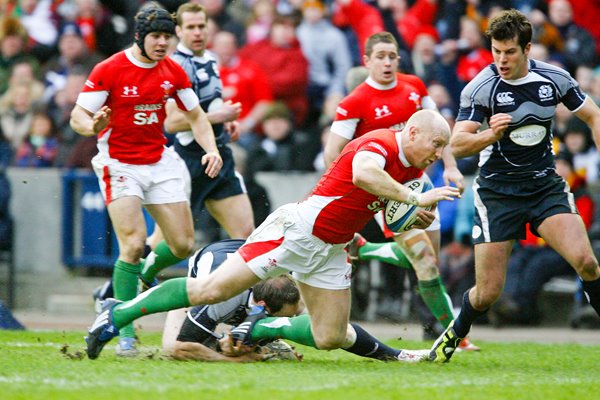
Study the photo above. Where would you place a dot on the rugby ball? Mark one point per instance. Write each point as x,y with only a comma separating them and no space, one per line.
400,217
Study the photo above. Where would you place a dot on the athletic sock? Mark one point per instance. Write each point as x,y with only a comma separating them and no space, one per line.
387,252
592,291
296,329
437,300
170,295
466,317
158,259
125,282
368,346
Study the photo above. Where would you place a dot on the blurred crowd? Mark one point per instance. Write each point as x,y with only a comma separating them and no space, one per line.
286,62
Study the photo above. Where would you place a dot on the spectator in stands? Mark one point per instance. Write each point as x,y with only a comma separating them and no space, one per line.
40,146
595,85
40,21
16,112
424,58
441,97
283,148
329,59
73,53
578,141
59,109
217,11
262,15
281,58
23,73
534,263
243,82
6,155
579,46
13,40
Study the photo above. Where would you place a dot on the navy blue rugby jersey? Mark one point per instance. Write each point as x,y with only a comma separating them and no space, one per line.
203,73
525,150
232,311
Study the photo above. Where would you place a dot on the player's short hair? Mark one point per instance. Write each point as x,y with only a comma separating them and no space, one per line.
276,292
188,7
509,24
152,18
380,37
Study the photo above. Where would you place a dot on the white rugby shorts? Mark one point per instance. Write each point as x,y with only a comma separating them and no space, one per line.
284,243
164,182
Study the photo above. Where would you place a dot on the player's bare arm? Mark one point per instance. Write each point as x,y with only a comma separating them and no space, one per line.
333,147
228,112
467,140
205,137
369,176
590,114
452,174
199,352
87,123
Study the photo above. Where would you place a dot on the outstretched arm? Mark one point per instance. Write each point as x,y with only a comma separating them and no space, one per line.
199,352
368,175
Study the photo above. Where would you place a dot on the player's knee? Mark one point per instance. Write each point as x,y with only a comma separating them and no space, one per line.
587,267
487,296
426,269
329,341
183,247
132,247
202,292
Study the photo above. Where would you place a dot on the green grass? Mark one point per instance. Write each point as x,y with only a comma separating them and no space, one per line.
50,365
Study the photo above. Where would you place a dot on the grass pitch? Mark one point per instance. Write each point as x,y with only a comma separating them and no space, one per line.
52,365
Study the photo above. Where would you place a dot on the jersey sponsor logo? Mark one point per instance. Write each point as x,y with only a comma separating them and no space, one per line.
130,91
382,111
377,205
546,92
148,107
342,111
505,99
528,135
143,118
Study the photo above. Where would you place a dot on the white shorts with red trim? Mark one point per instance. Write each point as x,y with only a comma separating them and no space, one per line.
164,182
284,243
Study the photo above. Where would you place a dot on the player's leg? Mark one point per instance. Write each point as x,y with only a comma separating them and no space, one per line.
566,234
130,227
232,278
420,249
234,214
298,329
176,225
329,312
491,260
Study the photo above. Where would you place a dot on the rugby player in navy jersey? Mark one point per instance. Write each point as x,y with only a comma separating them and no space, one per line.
517,182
